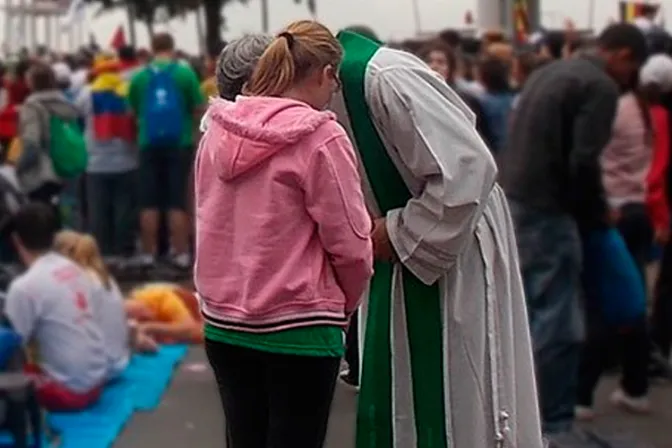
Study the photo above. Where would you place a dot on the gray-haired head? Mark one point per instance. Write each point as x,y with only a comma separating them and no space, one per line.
237,62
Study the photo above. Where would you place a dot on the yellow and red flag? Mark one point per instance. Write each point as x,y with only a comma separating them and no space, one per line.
630,10
521,20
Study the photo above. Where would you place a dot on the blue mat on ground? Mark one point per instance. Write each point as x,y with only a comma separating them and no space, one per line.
139,388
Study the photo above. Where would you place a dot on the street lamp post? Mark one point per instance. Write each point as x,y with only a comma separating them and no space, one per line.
264,16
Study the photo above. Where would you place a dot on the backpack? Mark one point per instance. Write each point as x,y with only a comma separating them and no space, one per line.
163,111
67,147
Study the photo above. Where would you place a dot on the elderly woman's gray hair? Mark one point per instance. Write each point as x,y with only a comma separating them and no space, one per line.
237,61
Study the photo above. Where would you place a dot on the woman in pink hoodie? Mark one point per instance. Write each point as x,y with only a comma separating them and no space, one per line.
283,252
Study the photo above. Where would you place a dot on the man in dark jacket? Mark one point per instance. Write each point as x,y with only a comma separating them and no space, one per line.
552,176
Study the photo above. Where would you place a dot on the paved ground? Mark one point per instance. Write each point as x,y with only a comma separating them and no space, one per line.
189,415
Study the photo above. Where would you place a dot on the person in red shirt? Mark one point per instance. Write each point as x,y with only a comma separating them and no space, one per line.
17,92
657,198
658,204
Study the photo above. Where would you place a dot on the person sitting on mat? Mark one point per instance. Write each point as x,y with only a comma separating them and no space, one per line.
108,301
166,312
52,306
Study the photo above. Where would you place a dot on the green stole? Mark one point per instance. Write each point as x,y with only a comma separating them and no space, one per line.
422,303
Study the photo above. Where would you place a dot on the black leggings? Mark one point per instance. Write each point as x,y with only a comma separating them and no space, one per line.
272,400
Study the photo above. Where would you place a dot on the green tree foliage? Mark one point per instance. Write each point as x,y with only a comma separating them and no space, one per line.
145,11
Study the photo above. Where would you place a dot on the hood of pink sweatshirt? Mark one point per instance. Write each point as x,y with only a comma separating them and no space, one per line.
282,231
251,130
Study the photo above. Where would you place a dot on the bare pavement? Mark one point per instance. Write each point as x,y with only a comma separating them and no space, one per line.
190,416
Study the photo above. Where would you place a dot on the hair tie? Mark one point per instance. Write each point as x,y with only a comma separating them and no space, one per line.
289,37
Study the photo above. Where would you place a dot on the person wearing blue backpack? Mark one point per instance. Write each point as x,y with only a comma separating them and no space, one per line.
166,99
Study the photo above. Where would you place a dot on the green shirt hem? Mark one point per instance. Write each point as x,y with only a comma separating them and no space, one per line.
319,341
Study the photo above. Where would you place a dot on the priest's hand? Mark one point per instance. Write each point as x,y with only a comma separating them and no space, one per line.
382,247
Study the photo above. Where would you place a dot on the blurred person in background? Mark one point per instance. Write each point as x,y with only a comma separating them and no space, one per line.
209,84
524,64
111,181
52,305
34,165
63,75
659,202
106,297
129,64
166,99
552,45
16,92
550,204
626,165
441,58
80,65
496,101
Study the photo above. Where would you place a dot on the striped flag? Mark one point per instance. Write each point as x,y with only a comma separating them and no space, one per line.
631,10
521,20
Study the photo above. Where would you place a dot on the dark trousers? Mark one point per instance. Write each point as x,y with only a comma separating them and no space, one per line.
632,343
273,400
661,317
112,211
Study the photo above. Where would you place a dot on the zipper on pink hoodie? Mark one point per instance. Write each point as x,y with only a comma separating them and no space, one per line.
282,231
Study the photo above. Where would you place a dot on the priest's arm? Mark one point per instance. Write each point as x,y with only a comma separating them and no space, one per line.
432,131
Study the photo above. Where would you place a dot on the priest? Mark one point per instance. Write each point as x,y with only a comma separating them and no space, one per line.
447,359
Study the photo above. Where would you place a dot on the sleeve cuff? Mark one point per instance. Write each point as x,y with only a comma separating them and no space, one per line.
425,273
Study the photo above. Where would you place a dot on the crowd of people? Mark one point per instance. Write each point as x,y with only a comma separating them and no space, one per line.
477,216
78,134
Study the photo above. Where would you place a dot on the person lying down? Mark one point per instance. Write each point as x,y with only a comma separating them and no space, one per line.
166,313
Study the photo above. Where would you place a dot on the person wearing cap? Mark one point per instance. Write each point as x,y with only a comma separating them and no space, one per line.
113,161
63,75
626,165
657,80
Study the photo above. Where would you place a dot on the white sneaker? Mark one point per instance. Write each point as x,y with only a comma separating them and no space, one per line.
182,261
635,405
584,414
141,261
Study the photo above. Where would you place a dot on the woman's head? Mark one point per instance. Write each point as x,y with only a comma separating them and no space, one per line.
494,75
524,65
83,250
301,62
41,77
237,62
441,58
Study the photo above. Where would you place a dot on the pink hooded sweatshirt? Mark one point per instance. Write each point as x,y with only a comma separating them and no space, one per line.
282,232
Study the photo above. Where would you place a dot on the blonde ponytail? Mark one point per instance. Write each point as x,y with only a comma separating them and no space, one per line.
275,72
303,46
83,250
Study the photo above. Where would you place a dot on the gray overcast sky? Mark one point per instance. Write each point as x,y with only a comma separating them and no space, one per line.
390,18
